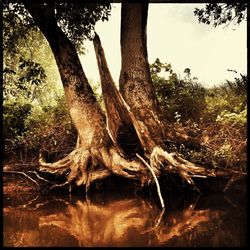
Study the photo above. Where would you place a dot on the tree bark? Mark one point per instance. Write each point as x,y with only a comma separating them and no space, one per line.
119,116
94,147
135,81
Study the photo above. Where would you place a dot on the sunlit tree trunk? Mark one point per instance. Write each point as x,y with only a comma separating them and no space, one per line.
135,81
94,145
136,84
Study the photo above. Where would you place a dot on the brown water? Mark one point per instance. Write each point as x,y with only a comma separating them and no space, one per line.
117,220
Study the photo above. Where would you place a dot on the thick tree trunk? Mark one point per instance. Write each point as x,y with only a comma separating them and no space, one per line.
84,109
94,146
135,81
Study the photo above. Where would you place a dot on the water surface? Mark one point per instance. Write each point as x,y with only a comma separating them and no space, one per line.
117,220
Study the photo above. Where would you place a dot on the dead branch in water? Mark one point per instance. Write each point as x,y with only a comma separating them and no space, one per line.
21,173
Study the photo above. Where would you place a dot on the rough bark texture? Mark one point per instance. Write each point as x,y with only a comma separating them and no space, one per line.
119,116
135,82
84,109
94,147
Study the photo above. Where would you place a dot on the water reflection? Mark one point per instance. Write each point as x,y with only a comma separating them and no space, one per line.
126,222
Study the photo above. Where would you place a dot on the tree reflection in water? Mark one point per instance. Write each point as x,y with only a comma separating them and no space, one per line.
127,222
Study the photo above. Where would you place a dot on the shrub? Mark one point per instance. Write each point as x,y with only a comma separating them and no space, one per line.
185,97
14,116
225,123
48,128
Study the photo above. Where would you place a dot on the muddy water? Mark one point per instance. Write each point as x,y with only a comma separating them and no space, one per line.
120,220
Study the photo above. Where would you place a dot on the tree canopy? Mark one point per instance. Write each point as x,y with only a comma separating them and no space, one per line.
222,13
76,19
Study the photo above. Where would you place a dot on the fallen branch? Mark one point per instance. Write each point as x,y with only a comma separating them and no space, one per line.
22,173
39,177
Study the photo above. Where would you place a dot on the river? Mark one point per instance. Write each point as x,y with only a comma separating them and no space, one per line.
118,219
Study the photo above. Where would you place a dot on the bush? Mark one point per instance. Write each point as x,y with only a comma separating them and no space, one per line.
14,116
182,97
48,128
230,97
225,123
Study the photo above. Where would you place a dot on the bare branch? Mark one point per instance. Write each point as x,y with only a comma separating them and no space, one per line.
22,173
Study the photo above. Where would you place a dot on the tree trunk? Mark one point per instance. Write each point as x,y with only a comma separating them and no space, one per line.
94,147
135,81
136,84
119,116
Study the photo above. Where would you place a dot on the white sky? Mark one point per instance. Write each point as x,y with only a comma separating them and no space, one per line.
175,36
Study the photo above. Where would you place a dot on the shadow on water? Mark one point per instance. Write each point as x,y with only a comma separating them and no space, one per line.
118,219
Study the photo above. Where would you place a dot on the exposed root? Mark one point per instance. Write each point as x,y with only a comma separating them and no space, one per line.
73,165
39,177
121,166
60,185
58,167
176,164
156,181
86,166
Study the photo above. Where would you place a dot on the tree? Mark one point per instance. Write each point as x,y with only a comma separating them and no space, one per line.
94,144
98,153
23,76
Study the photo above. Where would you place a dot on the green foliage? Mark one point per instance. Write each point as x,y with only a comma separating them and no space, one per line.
27,78
28,88
17,25
77,20
96,86
218,116
50,127
227,101
232,118
222,13
14,115
181,99
33,127
34,72
225,122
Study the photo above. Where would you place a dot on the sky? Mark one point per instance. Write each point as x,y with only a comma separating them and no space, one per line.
175,36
